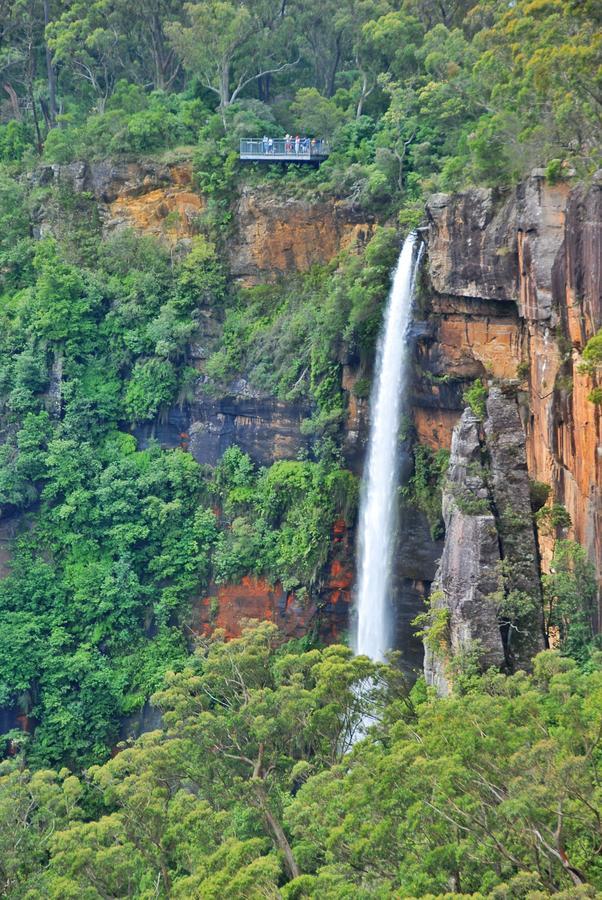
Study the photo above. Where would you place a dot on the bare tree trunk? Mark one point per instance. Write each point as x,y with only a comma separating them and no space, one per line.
334,68
14,101
224,90
50,69
30,94
365,93
277,831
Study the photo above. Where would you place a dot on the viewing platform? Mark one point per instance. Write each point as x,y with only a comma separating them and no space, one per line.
308,150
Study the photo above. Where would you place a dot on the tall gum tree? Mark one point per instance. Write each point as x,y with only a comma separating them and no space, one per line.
230,45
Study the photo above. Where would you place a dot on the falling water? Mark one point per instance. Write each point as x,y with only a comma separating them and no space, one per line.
381,474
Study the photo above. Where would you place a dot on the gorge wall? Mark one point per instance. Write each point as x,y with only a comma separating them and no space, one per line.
514,293
510,294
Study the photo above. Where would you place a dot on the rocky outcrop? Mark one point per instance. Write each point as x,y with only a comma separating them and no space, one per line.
536,251
487,586
231,606
265,428
509,486
272,235
322,611
275,236
469,573
464,339
472,245
151,197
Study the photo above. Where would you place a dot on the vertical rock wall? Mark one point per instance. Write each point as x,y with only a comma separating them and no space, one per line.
536,253
487,586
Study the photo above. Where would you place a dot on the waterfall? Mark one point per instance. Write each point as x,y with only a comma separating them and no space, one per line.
378,501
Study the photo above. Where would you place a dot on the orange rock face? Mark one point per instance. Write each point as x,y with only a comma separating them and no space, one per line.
231,606
273,236
434,427
168,212
550,237
276,236
494,343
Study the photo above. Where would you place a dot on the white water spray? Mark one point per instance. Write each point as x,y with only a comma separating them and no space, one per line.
378,500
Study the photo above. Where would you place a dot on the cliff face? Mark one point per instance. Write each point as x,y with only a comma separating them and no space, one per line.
514,293
512,286
535,255
275,236
487,585
271,237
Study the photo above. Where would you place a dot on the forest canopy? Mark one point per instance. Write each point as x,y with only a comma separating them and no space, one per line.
414,95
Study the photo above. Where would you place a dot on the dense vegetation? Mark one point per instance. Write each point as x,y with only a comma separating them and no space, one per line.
250,789
262,780
116,540
413,93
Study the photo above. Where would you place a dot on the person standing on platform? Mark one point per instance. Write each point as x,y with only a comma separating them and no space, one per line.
297,143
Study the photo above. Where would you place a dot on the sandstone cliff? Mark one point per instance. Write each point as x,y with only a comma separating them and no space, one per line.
517,276
512,286
513,294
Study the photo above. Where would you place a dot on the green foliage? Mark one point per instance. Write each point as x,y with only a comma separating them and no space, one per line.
286,337
279,519
261,783
476,397
152,385
570,594
549,518
595,396
434,626
592,354
425,485
15,140
135,122
539,492
314,114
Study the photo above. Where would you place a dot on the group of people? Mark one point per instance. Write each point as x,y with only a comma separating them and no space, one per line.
292,144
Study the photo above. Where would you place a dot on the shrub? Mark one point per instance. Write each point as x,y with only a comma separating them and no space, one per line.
549,518
152,385
476,396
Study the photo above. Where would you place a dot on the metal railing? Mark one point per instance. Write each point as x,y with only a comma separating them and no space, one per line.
279,148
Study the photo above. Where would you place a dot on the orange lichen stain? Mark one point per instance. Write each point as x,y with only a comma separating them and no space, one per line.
339,577
229,606
168,212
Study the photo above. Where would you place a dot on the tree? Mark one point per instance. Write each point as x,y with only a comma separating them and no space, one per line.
230,45
251,723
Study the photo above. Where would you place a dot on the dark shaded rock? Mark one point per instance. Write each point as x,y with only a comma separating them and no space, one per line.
265,428
416,557
509,481
106,179
472,244
147,718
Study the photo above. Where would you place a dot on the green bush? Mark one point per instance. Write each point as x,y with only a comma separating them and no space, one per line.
152,386
592,354
424,488
476,397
